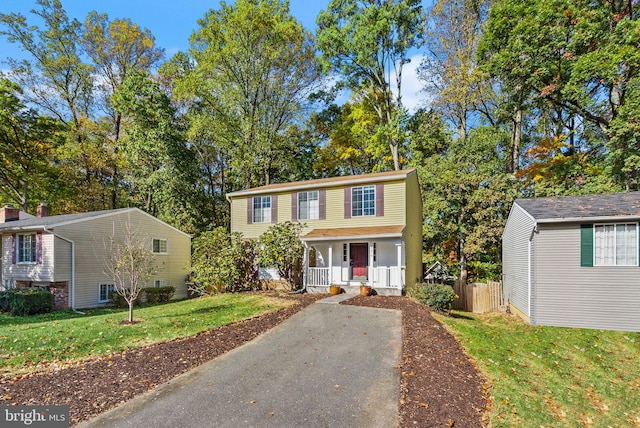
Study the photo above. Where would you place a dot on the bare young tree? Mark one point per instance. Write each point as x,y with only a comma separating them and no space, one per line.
128,262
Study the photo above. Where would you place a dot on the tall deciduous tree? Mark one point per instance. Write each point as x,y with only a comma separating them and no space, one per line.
116,47
573,64
367,43
466,193
27,142
449,67
251,68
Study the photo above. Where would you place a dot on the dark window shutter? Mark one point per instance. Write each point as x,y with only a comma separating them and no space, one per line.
274,208
347,202
250,210
39,247
586,245
379,200
322,204
294,206
13,248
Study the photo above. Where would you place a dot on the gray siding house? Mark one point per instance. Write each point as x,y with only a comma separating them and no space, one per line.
65,253
572,261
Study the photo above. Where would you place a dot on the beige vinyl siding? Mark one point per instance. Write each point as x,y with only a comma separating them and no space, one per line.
567,294
90,236
413,232
62,260
394,211
515,259
37,272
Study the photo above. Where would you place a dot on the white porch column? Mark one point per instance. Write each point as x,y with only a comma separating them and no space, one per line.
370,276
330,263
399,249
305,265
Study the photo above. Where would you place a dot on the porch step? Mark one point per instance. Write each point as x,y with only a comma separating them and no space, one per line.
337,298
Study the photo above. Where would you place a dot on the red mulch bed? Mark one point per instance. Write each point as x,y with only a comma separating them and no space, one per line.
440,387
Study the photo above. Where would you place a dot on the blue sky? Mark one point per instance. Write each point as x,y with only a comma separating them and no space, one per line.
173,21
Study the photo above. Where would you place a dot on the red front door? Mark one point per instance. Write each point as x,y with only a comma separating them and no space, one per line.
359,261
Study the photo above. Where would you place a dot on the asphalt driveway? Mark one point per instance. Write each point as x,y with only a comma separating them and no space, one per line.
327,366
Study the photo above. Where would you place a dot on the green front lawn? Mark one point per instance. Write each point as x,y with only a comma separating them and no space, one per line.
550,376
38,342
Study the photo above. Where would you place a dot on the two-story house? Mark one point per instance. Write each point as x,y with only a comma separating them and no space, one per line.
364,228
66,253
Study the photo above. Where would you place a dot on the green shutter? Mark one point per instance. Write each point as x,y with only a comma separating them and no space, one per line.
586,245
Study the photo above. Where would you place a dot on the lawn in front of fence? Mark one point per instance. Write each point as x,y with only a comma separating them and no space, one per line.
552,376
40,342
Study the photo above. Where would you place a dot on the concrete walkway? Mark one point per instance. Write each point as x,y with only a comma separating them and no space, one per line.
327,366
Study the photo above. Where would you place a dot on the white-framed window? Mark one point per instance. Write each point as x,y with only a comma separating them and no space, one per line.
160,246
308,205
262,209
363,201
103,292
345,253
616,244
26,248
157,283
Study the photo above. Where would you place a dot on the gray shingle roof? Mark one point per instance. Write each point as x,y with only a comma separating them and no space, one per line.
589,206
52,221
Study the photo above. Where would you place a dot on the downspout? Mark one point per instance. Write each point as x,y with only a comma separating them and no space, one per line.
72,285
529,265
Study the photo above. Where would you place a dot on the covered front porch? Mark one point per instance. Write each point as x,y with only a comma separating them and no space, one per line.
350,257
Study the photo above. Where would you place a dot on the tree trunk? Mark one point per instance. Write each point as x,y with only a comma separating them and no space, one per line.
516,139
131,312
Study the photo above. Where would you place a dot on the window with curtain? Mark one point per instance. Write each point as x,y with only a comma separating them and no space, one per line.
262,209
26,248
308,207
616,244
363,201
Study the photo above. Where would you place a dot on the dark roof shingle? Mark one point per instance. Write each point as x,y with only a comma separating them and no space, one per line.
588,206
38,222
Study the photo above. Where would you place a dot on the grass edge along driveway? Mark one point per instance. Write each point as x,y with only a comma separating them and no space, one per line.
552,376
55,340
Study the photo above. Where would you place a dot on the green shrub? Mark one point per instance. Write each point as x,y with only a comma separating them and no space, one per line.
5,300
159,294
28,301
437,296
117,301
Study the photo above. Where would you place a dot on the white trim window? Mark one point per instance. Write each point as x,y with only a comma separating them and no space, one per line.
26,248
159,283
363,201
262,209
308,205
160,246
616,244
103,292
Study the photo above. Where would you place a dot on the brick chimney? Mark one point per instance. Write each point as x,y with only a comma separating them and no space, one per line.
9,213
43,210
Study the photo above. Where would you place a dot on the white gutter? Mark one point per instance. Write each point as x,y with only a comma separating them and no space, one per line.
611,218
72,284
351,237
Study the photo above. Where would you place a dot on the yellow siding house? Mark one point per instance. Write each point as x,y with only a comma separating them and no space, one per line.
65,253
356,229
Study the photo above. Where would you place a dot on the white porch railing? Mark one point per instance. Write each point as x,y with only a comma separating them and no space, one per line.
318,276
383,276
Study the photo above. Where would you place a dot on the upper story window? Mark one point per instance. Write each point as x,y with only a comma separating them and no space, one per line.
308,205
615,244
363,201
160,246
26,248
262,209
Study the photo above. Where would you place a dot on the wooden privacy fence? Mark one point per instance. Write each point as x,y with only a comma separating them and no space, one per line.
478,297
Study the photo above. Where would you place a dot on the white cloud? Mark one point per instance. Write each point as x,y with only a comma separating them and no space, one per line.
412,96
